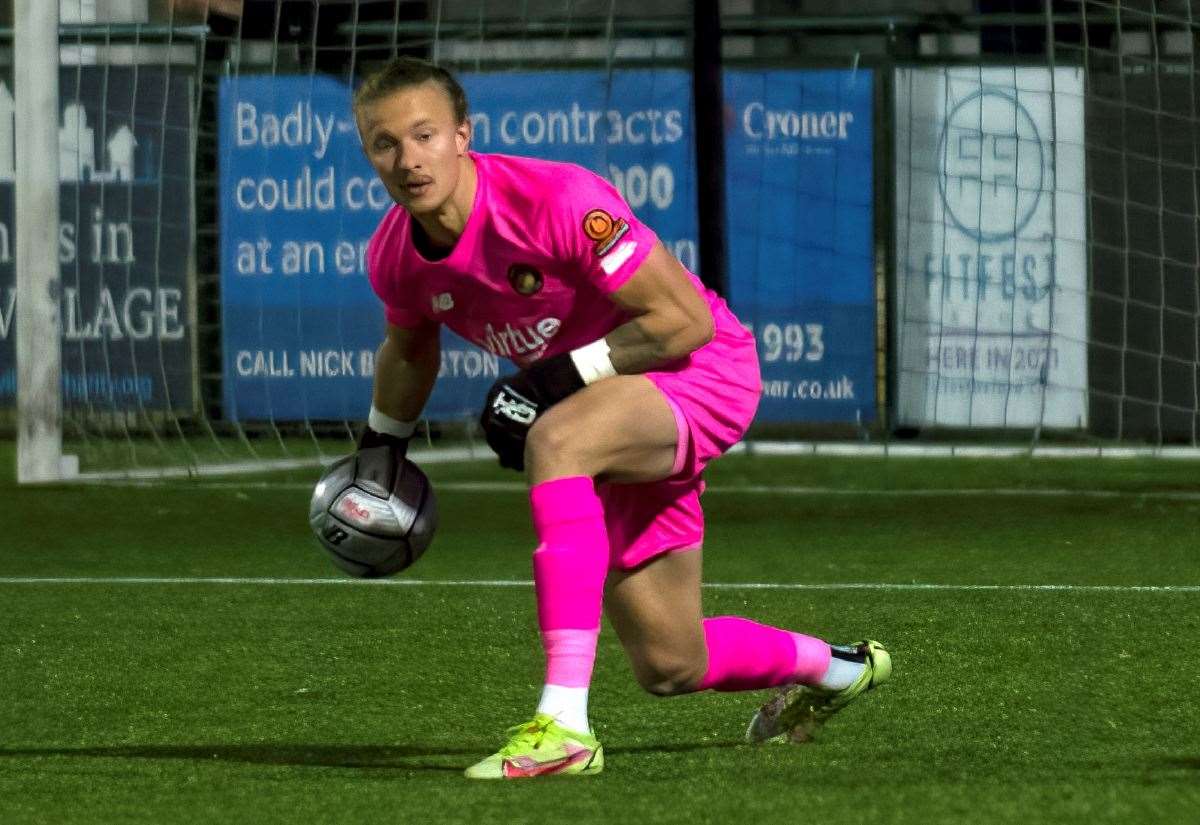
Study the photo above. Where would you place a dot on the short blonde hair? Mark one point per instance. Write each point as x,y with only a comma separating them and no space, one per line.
402,72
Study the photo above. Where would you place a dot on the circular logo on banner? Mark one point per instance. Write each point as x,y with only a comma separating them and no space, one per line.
991,165
525,279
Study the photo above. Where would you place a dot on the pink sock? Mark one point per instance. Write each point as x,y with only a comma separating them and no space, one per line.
569,567
745,655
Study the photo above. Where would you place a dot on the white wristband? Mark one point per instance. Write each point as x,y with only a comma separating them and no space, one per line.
384,423
593,362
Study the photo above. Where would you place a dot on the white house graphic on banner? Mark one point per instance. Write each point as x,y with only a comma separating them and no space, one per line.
76,146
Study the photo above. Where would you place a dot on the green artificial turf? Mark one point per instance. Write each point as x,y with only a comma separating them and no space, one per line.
201,701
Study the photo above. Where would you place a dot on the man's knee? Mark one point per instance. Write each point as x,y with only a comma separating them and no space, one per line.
546,434
554,437
669,674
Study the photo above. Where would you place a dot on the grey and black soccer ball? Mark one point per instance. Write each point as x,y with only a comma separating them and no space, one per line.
375,513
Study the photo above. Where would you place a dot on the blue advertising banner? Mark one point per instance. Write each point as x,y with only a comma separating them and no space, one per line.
300,324
632,127
124,238
801,264
299,204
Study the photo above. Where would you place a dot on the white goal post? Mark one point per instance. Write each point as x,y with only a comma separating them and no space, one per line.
38,352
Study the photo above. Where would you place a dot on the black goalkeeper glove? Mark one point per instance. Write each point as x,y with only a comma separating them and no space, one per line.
515,401
373,438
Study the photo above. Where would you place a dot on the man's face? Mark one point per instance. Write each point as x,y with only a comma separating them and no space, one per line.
413,142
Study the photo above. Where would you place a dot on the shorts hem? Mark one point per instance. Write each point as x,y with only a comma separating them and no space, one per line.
683,432
644,559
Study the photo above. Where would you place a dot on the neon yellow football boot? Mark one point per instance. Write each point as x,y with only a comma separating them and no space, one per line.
797,712
542,747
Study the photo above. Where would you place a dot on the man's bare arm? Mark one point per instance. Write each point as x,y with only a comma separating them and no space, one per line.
672,318
406,366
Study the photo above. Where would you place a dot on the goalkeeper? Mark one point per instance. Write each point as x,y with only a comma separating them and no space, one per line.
632,378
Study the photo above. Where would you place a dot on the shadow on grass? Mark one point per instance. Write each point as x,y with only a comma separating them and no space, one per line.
683,747
364,757
378,757
1188,762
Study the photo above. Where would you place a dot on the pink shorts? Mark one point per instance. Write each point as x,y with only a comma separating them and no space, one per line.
713,394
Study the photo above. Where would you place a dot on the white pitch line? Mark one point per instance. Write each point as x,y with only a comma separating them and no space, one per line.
794,490
474,452
233,580
743,489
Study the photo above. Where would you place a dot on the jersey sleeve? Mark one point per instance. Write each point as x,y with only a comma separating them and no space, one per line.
385,276
597,231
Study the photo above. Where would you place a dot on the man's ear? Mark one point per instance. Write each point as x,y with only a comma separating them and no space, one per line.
462,136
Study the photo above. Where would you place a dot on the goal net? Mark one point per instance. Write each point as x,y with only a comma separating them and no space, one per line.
973,225
1046,230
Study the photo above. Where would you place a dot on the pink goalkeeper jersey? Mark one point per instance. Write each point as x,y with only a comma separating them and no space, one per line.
543,248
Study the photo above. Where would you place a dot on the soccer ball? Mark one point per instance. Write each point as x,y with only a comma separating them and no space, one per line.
375,515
